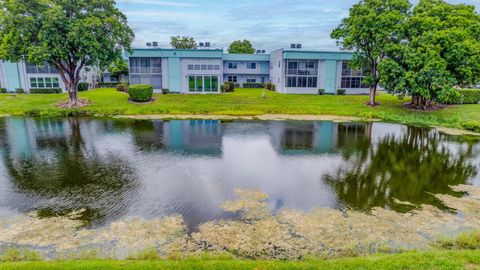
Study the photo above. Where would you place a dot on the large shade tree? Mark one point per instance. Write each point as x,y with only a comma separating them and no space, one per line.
370,28
186,42
70,35
241,46
440,50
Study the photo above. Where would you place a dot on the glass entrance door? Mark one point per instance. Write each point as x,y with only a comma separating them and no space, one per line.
203,84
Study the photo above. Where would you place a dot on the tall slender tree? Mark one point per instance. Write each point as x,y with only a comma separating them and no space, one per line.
70,35
371,27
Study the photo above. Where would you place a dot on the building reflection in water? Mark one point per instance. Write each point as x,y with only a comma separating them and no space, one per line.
117,168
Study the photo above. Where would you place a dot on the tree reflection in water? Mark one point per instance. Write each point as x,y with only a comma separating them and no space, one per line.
400,169
61,175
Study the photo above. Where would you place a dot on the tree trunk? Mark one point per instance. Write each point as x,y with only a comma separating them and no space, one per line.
72,94
372,97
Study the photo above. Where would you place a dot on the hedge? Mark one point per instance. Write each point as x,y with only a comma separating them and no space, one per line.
108,85
140,92
228,87
3,90
83,86
19,90
341,92
469,96
45,91
253,85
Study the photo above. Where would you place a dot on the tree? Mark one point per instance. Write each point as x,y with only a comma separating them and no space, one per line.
185,42
240,46
119,68
371,27
69,35
440,50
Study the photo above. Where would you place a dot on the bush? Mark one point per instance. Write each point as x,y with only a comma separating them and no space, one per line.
165,91
236,85
140,92
45,91
19,91
83,86
253,85
3,90
469,96
450,96
228,87
270,86
472,126
341,92
321,92
108,85
122,87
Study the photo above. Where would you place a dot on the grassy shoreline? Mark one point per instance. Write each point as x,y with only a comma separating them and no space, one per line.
241,103
462,259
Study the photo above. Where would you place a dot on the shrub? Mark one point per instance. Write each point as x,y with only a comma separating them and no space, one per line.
472,126
45,91
108,85
270,86
165,91
140,92
122,87
450,96
83,86
253,85
3,90
274,87
321,92
469,96
236,85
19,91
341,92
229,87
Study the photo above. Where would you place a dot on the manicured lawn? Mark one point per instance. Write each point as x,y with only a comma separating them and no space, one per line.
411,260
107,102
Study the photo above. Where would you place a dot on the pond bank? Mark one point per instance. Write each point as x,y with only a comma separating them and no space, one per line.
258,234
465,259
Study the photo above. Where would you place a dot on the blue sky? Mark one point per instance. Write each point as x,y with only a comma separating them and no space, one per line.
269,24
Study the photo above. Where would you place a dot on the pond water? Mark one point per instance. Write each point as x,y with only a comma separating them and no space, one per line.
140,168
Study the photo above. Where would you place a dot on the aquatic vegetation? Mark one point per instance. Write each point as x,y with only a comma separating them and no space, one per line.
258,232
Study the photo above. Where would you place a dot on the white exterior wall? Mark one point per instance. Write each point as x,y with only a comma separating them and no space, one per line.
194,61
2,75
277,67
164,74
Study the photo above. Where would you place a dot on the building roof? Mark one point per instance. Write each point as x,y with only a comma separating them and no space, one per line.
246,57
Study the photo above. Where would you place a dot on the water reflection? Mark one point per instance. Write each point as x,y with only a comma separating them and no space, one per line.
118,168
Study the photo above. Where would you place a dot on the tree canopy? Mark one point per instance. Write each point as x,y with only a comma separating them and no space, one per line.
69,35
185,42
440,50
241,46
370,28
119,68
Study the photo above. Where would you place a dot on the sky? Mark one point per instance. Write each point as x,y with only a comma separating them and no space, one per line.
268,24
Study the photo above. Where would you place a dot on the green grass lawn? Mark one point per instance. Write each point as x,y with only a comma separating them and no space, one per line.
242,102
411,260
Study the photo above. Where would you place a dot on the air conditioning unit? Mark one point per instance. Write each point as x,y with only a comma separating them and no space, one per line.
293,46
207,44
201,44
155,44
149,44
299,46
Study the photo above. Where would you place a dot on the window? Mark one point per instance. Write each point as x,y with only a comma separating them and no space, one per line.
232,79
251,65
232,65
47,82
199,84
203,67
301,73
44,69
145,65
251,80
352,78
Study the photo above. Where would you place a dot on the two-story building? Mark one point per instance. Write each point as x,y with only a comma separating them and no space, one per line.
203,71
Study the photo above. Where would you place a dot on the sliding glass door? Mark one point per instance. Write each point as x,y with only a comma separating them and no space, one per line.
203,84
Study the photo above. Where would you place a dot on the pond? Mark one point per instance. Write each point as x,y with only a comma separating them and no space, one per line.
114,169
